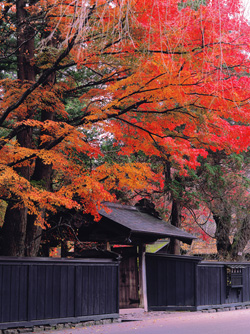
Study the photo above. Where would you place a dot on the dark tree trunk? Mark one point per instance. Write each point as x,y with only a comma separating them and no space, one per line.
34,232
42,173
15,222
14,229
33,237
13,232
175,217
241,238
21,234
174,246
25,43
226,249
222,233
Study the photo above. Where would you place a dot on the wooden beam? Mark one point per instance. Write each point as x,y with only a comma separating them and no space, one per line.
144,282
143,278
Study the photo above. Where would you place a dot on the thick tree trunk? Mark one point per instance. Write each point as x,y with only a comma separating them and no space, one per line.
222,233
175,218
42,173
240,240
21,235
15,222
14,229
174,246
25,44
34,232
33,237
13,232
226,249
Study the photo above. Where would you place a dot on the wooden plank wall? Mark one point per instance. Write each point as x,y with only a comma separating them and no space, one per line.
175,282
212,289
171,282
53,289
246,284
211,284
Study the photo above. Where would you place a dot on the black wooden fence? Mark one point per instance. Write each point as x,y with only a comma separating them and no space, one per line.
187,283
48,291
171,282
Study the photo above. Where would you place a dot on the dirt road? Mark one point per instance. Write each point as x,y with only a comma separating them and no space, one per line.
230,322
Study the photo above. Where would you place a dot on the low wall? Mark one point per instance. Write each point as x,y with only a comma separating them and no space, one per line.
187,283
171,282
45,291
214,288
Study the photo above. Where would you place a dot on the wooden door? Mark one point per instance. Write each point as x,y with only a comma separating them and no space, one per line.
129,283
129,277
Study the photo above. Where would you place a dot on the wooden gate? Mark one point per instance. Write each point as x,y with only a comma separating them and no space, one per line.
129,278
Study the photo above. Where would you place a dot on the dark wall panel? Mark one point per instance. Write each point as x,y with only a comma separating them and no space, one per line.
170,281
182,282
38,289
246,284
23,292
209,287
212,287
5,293
49,292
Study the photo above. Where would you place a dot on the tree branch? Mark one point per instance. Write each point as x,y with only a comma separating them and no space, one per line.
45,74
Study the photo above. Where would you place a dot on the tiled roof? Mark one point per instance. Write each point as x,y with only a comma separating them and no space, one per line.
139,222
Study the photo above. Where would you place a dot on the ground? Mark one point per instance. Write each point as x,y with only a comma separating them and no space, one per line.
139,322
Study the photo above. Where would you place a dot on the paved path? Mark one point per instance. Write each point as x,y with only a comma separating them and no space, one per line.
230,322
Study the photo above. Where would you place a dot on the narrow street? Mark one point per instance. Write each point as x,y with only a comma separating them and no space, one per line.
226,322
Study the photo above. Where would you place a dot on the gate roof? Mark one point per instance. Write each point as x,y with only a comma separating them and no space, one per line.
142,224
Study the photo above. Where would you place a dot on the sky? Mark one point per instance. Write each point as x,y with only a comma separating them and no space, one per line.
246,4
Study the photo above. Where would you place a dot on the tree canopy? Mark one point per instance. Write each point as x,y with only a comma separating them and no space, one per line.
166,78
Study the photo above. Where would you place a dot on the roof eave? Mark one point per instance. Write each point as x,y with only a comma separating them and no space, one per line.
188,240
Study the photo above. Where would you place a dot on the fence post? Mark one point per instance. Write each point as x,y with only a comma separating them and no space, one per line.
196,280
142,278
144,282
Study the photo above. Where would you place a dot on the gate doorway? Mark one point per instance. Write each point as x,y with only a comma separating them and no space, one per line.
129,277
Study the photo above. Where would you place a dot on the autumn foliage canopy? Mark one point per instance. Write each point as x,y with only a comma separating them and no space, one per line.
168,78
